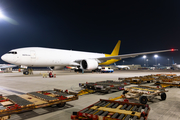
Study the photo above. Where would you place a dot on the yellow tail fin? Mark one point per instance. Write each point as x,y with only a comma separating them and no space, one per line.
116,49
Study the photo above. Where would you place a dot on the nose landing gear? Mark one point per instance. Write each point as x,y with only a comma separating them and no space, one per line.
28,71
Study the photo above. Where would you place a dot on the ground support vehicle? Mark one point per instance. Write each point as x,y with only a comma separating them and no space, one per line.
113,110
107,70
144,93
104,86
19,103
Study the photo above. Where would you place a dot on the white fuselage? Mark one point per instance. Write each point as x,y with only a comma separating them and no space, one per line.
46,57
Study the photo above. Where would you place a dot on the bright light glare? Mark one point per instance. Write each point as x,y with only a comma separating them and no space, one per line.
10,20
155,56
1,14
144,56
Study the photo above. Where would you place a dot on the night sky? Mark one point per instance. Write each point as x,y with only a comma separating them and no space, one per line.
142,26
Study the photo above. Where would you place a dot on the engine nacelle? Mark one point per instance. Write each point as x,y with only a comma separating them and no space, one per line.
56,67
89,64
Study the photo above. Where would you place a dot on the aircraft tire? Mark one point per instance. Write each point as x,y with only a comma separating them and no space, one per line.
124,92
26,72
163,96
143,99
61,104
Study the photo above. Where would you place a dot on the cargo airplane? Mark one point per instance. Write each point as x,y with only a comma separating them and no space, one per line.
57,59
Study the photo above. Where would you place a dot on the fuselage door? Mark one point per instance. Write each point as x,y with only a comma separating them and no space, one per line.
33,54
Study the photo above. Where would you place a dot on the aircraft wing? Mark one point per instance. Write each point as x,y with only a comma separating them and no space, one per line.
7,66
103,59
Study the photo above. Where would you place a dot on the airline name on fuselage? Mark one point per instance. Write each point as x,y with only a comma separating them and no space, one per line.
26,55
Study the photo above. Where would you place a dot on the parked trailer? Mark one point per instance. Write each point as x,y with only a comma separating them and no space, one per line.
104,86
138,80
113,110
19,103
169,84
145,93
157,78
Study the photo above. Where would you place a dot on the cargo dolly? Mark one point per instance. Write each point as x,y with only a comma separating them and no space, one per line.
169,84
113,110
104,86
144,93
138,80
19,103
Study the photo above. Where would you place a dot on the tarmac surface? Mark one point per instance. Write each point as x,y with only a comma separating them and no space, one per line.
15,83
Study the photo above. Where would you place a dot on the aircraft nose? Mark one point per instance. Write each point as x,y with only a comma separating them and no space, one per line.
3,57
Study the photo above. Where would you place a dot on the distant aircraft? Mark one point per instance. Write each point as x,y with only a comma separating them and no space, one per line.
122,66
57,59
3,66
174,65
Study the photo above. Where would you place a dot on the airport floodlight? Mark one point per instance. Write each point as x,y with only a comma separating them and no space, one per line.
144,56
155,56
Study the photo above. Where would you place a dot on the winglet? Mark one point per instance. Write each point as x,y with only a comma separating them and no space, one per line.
116,49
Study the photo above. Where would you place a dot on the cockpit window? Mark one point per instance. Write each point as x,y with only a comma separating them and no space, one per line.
12,52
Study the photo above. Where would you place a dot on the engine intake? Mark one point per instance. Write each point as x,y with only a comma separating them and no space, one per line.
89,64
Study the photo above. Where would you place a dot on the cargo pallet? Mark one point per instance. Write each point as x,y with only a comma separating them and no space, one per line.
144,93
104,86
113,110
19,103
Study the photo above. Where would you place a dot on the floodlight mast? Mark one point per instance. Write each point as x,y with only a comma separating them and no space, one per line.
156,56
144,60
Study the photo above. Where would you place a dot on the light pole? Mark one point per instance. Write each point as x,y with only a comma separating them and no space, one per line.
147,62
144,59
156,56
168,61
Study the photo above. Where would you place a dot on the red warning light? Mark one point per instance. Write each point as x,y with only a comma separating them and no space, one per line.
172,49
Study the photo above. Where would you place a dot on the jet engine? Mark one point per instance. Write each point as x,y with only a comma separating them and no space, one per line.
56,67
89,64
